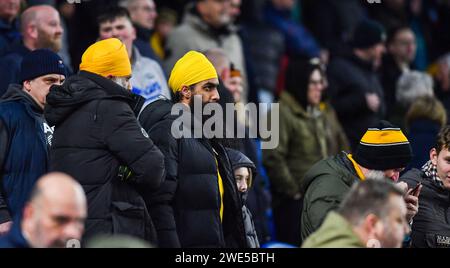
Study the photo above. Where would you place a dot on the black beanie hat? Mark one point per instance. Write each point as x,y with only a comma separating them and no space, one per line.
383,147
367,34
41,62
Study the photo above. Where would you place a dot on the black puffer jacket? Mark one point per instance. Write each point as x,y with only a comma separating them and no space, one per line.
431,225
186,210
239,160
96,132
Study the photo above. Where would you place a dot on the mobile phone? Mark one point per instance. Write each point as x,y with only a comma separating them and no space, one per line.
416,188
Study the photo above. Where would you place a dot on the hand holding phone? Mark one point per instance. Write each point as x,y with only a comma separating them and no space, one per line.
416,190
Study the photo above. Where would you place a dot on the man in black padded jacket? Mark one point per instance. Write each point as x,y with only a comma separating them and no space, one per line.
99,142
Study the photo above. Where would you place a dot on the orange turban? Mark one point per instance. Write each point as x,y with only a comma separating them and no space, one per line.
107,57
192,68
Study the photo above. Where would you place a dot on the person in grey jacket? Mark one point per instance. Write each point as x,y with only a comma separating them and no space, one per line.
244,170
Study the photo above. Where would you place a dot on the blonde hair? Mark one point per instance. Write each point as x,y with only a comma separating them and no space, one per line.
427,108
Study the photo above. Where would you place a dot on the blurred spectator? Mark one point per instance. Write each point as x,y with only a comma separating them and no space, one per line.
424,119
231,77
440,24
9,24
372,215
117,241
298,40
430,227
53,216
189,212
401,52
383,151
410,86
421,24
355,91
100,143
148,79
235,9
143,15
264,47
244,171
235,84
67,12
303,142
333,22
207,24
83,30
24,134
40,28
164,25
391,14
178,6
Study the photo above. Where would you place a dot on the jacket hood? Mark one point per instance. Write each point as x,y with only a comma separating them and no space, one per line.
338,165
156,111
15,92
81,89
335,232
238,160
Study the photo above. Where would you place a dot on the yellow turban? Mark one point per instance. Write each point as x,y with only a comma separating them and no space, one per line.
107,57
192,68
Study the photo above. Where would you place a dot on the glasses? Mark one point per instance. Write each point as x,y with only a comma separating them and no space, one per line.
316,82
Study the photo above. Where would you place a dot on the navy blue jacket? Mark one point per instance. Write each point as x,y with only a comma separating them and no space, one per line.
422,135
14,239
9,34
23,150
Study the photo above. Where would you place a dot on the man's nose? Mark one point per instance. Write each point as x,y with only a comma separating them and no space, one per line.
215,96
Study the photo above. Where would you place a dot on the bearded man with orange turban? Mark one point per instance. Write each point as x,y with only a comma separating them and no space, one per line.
198,205
98,141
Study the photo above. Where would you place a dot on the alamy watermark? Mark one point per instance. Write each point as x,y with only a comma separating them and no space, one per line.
214,121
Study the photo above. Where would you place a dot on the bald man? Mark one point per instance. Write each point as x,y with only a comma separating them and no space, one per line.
40,28
53,217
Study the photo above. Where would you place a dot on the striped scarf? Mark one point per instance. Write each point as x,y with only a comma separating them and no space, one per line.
430,171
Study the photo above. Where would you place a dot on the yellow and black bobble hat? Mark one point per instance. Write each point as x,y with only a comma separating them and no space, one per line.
383,147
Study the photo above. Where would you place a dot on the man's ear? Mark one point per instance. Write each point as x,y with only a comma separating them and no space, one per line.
27,85
371,224
28,211
225,75
433,156
186,92
32,30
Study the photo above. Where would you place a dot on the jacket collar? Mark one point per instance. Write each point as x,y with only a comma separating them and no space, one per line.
135,101
366,65
16,93
293,104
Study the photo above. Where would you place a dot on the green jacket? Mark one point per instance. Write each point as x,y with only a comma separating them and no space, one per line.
302,143
324,188
335,232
